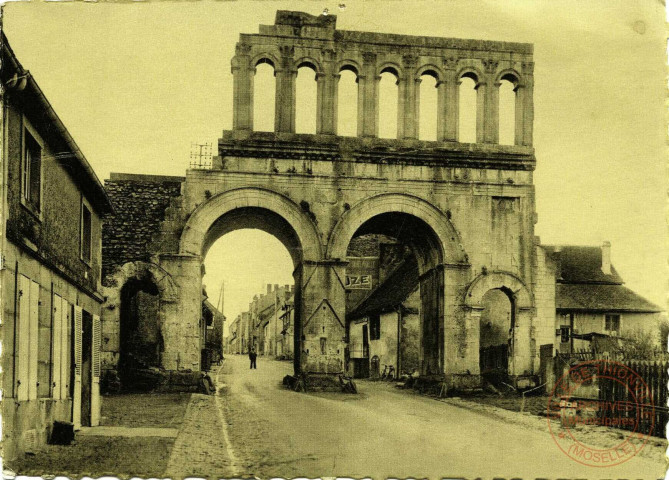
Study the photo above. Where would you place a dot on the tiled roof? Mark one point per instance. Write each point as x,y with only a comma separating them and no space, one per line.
391,293
601,298
209,306
578,264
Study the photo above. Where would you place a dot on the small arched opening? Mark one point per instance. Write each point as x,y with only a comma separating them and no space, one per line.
467,107
306,98
507,109
428,106
264,91
347,102
495,342
388,103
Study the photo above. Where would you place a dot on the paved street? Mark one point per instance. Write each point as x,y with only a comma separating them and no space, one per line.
381,432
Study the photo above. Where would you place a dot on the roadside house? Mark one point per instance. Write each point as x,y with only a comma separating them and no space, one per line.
593,307
51,268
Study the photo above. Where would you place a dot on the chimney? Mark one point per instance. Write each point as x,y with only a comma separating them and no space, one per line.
269,288
276,287
606,258
286,288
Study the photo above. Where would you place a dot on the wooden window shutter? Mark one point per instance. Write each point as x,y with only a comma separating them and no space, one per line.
66,343
77,334
57,344
23,343
97,339
78,316
34,340
95,357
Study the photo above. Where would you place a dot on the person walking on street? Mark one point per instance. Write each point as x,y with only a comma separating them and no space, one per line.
252,356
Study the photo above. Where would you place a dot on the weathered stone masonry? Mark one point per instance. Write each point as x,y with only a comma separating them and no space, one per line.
468,209
139,203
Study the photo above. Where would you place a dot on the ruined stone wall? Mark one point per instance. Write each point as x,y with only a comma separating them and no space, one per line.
467,209
140,204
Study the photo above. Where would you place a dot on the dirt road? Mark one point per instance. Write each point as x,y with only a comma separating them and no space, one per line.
382,432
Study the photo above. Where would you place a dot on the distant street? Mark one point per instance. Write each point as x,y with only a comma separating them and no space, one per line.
381,432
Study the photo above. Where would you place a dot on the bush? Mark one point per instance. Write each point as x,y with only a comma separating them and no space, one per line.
640,345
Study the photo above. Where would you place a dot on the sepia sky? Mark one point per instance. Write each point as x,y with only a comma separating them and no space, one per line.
137,83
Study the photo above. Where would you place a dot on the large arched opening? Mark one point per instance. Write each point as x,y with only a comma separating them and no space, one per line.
253,290
395,247
247,212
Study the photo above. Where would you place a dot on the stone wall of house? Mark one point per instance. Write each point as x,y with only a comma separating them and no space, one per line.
140,204
50,231
543,329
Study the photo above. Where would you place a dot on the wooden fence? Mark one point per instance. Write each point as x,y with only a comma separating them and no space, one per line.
645,417
649,416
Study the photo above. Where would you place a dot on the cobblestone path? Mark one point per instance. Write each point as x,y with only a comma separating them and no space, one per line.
202,448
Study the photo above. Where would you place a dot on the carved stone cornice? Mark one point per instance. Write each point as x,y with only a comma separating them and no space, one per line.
322,147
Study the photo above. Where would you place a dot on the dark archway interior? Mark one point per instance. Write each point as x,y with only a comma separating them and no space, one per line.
495,340
410,231
141,342
399,252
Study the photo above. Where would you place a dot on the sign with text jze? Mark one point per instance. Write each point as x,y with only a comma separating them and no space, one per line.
359,282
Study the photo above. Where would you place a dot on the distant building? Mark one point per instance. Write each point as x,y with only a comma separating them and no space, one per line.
285,340
213,323
51,262
592,304
267,325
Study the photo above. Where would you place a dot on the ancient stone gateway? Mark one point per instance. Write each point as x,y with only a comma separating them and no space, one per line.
465,209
